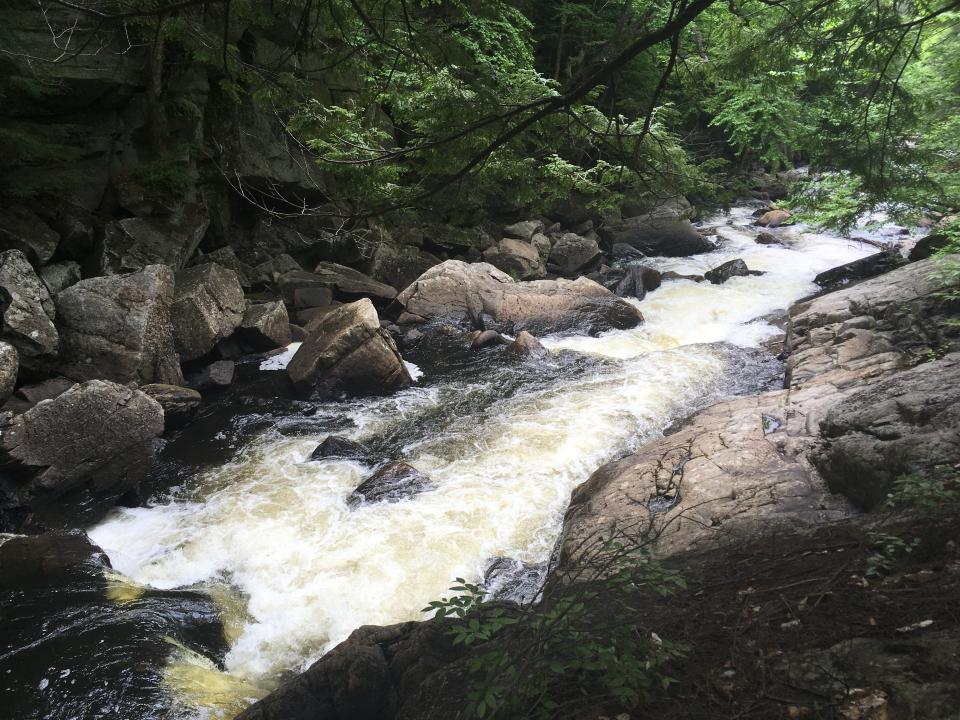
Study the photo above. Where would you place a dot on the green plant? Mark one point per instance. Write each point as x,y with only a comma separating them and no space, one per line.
165,176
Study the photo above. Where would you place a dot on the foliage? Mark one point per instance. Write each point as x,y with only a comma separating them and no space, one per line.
581,645
169,176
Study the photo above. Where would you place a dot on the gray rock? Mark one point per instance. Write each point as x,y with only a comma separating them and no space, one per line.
862,269
348,347
928,245
265,326
526,345
543,245
632,281
518,258
46,390
523,230
270,270
773,218
729,269
400,265
216,376
350,284
9,365
134,243
573,253
660,233
118,328
207,307
624,252
97,433
178,403
59,276
393,482
28,312
486,338
295,280
765,238
21,230
340,448
226,257
312,297
479,295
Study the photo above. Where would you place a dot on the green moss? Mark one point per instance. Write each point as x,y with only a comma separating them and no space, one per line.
164,176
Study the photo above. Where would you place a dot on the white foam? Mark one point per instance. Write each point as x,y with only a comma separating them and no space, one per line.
415,372
281,360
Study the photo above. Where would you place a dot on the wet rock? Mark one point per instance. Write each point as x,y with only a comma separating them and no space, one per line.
265,326
55,558
773,218
765,238
60,276
22,230
624,252
523,230
907,424
631,281
348,346
526,345
480,295
573,253
509,579
659,233
134,243
207,307
410,319
487,338
518,258
671,275
119,328
97,435
9,364
178,403
340,448
928,245
214,377
28,312
393,482
350,284
868,267
729,269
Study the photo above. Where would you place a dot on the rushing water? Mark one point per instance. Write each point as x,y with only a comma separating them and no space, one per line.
268,537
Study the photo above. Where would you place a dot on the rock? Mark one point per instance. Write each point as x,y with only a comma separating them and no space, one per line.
307,316
765,238
773,218
312,297
340,448
289,283
868,267
348,346
28,312
624,252
134,243
214,377
46,390
178,403
271,270
480,295
118,328
631,281
350,284
297,333
908,424
928,245
675,206
410,319
60,276
573,253
400,265
265,326
526,345
487,338
57,559
96,435
729,269
671,275
21,230
393,482
660,233
226,257
9,365
518,258
543,245
523,230
207,307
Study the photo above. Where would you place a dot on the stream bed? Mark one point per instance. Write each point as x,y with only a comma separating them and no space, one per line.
243,531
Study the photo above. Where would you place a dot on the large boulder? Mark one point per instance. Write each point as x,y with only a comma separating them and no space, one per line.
729,269
478,295
862,269
572,253
9,364
657,233
265,326
227,257
348,347
28,312
350,284
523,230
178,403
773,218
21,230
133,243
207,307
631,280
118,328
399,265
340,448
97,436
393,482
527,346
518,258
60,275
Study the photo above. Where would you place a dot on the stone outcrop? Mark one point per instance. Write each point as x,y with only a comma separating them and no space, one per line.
265,326
348,347
518,258
207,307
850,415
28,312
133,243
95,436
118,328
481,296
392,482
862,269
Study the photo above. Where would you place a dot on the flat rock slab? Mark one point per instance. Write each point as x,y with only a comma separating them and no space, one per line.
391,483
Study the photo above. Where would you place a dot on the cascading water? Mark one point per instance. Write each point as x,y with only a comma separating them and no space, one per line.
269,537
